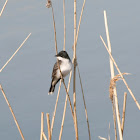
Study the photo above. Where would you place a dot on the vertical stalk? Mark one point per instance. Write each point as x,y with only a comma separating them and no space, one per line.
84,103
53,118
48,124
64,24
74,76
124,109
65,106
114,117
54,31
112,76
42,125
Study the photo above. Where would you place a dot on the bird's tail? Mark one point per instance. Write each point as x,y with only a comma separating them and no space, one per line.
52,87
51,91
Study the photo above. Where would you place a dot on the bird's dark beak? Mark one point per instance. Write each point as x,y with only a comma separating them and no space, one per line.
56,55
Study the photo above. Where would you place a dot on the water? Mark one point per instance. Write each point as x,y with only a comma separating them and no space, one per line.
26,79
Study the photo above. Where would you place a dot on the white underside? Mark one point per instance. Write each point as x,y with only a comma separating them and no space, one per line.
65,67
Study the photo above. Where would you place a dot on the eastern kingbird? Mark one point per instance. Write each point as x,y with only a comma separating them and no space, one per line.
65,67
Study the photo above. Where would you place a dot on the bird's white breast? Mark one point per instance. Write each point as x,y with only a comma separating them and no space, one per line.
66,67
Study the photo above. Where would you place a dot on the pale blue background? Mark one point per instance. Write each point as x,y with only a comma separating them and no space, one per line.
26,79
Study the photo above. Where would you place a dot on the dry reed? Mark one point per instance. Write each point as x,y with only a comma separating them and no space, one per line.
113,84
74,59
3,7
16,122
74,74
70,74
58,63
53,118
64,112
84,103
123,114
49,5
131,93
44,136
42,125
114,117
112,75
80,21
102,138
15,53
64,24
109,132
48,124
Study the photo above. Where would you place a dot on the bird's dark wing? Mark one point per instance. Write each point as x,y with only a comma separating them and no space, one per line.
55,68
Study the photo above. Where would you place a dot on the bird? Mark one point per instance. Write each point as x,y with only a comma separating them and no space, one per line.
65,66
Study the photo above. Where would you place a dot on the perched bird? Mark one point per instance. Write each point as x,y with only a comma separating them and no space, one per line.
65,67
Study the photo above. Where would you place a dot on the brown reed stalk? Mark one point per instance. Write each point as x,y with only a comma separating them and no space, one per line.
60,135
112,76
114,117
64,24
102,138
131,93
16,122
60,81
48,5
109,132
80,21
57,60
42,125
124,109
44,136
53,118
48,124
84,103
3,7
64,112
54,31
14,53
74,75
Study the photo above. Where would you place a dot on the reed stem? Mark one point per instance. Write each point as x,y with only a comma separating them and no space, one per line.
48,124
84,103
112,76
44,136
74,75
80,21
16,122
65,106
58,63
53,118
42,125
15,53
64,24
124,110
54,31
3,7
121,75
114,117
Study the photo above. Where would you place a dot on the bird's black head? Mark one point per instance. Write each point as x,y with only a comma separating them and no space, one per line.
63,54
